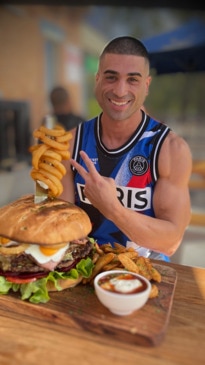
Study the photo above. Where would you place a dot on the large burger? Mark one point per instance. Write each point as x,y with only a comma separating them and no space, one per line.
43,247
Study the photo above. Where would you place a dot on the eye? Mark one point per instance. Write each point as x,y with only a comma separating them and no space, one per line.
111,78
133,80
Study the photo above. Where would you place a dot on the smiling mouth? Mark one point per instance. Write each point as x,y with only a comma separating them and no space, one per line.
119,103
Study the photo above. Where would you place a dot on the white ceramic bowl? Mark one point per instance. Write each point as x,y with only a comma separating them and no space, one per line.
122,303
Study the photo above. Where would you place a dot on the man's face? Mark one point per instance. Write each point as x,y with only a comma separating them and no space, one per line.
122,84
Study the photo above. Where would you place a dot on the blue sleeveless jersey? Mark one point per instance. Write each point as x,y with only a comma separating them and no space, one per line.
133,166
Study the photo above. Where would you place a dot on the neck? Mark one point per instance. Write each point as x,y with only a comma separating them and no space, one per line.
116,133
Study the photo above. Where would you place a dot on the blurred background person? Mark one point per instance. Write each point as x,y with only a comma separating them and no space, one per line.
62,109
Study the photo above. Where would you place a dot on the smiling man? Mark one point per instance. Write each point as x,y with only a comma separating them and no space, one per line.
129,172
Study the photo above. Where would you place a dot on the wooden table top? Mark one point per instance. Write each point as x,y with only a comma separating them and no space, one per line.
26,343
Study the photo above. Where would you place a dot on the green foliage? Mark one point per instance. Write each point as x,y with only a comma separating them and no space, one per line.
177,95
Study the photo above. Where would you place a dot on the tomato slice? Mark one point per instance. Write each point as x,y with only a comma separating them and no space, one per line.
17,280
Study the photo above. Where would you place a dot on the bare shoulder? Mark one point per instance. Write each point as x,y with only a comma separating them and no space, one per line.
175,143
175,157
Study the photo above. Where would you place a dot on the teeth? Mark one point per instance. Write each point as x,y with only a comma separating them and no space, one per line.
118,103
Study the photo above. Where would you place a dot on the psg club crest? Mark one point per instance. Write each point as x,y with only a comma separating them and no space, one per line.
138,165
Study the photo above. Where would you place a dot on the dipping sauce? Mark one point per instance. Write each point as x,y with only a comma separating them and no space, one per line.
122,283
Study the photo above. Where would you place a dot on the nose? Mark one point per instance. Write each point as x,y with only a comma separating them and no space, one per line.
120,89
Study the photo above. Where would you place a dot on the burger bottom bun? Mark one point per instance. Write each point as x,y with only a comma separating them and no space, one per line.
63,283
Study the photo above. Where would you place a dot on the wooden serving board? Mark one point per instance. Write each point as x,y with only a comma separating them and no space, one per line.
79,308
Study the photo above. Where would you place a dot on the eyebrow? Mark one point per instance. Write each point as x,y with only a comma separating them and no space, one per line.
129,74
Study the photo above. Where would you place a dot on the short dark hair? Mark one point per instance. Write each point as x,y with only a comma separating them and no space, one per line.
126,45
58,96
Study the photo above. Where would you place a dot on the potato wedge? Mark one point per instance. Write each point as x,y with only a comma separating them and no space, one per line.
156,276
128,263
154,291
101,262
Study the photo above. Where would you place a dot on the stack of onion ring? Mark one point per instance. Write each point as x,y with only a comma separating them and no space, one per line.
47,156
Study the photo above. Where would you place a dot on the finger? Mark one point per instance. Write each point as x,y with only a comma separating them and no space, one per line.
89,164
81,170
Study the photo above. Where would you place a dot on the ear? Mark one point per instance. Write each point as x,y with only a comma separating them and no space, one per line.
97,76
148,82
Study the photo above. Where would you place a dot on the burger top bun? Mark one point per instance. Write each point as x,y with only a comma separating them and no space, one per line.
51,222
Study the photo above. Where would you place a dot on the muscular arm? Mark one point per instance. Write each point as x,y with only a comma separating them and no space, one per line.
171,199
171,202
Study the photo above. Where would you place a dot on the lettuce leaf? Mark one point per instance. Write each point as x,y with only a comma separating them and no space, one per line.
36,291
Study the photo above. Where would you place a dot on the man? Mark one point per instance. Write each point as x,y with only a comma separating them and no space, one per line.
61,104
129,172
